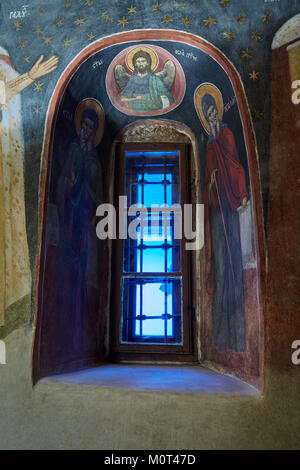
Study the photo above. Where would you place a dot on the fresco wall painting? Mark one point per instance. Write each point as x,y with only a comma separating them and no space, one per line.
146,80
15,274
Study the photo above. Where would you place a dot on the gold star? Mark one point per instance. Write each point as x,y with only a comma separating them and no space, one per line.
246,54
37,109
166,19
66,42
180,5
38,30
67,4
91,36
17,25
105,16
266,18
209,22
38,86
59,22
41,11
21,44
254,75
131,9
88,2
26,59
224,2
228,35
257,35
157,6
123,22
186,20
258,114
80,21
240,18
47,40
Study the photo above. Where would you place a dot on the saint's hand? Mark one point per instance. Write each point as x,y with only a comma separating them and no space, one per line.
41,68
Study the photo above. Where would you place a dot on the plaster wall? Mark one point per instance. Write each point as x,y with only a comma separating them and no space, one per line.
61,416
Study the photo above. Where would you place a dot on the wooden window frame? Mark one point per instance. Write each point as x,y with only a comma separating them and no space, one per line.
185,352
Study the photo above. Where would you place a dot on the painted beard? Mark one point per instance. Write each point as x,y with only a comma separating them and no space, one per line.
86,141
142,68
215,127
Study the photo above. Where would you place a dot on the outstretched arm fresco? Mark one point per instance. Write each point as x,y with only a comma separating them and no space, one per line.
40,68
15,275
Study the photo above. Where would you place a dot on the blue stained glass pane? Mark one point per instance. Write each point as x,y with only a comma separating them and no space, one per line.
169,328
154,260
146,302
153,299
154,328
169,198
138,310
154,178
139,268
170,261
140,195
154,194
152,154
152,306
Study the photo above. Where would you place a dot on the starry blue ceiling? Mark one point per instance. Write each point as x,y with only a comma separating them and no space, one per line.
242,29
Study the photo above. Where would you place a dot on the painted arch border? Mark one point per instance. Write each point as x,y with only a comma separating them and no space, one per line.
170,35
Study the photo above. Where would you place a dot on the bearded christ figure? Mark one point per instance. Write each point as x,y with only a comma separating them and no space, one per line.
145,90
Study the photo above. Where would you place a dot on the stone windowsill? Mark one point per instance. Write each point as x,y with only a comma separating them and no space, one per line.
163,378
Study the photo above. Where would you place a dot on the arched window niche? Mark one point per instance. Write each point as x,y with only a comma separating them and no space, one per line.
90,113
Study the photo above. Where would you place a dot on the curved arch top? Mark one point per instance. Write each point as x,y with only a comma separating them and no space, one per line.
289,32
156,35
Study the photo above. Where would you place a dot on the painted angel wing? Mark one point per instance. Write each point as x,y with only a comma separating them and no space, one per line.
168,74
121,76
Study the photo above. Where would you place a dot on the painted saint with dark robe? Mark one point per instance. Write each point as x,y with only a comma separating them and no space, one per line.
80,190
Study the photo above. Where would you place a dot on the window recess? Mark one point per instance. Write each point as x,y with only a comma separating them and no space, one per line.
151,307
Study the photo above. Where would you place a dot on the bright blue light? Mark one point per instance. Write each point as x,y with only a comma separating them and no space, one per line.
152,154
153,305
152,179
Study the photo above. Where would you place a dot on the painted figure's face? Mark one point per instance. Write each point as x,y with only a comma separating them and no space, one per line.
87,130
141,64
212,115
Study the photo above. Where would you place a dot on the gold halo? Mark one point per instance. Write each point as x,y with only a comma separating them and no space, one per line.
90,103
129,57
201,91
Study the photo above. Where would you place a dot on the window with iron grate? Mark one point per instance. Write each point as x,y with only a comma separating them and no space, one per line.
151,298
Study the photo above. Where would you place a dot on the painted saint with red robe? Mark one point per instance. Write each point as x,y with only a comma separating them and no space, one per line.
225,192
